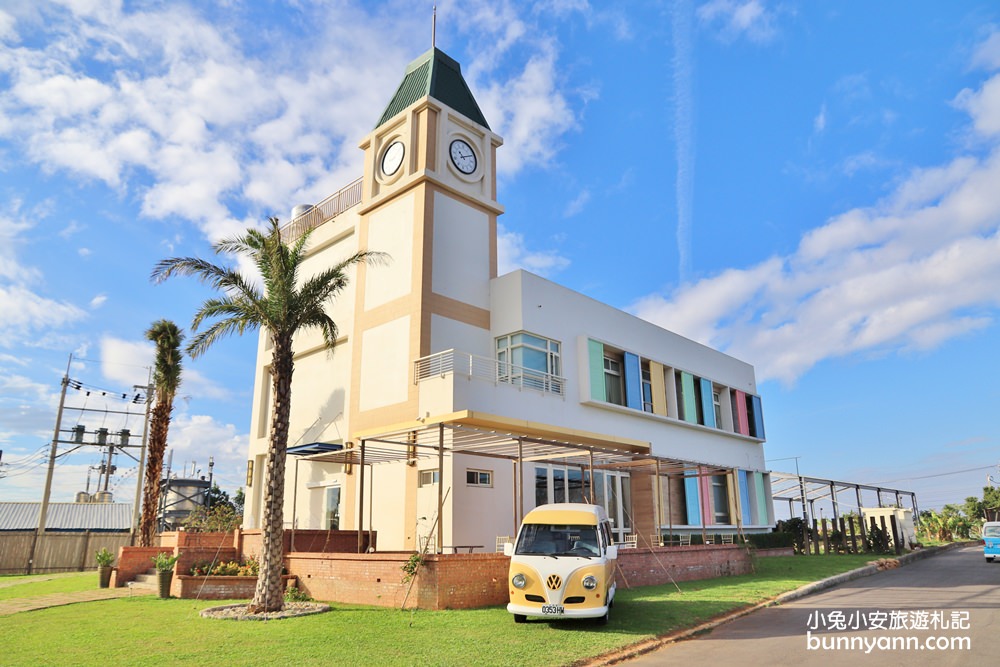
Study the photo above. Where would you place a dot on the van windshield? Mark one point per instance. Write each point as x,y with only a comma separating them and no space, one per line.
542,539
991,531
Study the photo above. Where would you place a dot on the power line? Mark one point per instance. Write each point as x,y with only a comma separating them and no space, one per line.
940,474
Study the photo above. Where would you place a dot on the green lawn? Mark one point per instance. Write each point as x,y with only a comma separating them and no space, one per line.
33,586
150,631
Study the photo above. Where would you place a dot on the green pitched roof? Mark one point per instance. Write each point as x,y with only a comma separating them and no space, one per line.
440,76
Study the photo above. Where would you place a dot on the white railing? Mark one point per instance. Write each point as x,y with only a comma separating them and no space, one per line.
484,368
341,200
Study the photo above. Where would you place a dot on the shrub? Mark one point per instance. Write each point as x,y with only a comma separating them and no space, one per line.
164,562
771,540
104,557
293,594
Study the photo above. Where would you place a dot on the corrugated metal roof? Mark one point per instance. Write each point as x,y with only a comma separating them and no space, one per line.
440,76
107,517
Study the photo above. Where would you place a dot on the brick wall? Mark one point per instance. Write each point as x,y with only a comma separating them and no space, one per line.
649,567
312,541
133,561
467,581
217,588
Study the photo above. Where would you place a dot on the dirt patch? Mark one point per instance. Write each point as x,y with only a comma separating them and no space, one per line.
238,612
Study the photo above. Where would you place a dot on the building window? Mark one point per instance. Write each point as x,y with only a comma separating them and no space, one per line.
479,477
647,389
720,499
429,477
333,508
530,361
613,389
717,402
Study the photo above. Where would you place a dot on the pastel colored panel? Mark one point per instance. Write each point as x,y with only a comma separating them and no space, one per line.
742,423
707,510
659,388
758,481
633,381
596,352
707,404
758,417
688,398
692,500
744,483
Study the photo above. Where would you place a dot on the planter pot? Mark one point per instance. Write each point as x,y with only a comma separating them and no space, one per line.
104,575
163,580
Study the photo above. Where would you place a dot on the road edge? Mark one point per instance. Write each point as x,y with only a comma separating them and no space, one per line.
800,592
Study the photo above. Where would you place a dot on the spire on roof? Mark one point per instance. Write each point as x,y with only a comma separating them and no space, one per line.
438,75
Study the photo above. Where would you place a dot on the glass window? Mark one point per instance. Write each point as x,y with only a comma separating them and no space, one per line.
613,389
333,508
558,485
429,477
575,485
720,499
647,390
479,477
530,361
541,486
717,401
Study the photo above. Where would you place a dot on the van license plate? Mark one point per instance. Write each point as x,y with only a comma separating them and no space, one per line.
553,609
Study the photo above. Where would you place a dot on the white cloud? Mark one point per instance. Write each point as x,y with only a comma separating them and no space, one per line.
579,203
908,273
819,122
737,18
512,254
98,301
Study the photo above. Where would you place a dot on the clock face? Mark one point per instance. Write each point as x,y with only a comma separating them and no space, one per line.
393,158
462,156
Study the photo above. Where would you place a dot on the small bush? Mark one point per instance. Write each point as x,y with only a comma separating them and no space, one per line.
771,540
293,594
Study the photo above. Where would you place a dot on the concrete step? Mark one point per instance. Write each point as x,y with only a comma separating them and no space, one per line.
148,580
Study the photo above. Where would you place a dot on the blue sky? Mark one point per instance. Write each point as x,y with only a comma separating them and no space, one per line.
811,187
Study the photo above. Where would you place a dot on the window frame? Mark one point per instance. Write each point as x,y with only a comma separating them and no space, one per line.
479,473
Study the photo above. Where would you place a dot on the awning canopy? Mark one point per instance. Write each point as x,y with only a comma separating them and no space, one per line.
476,434
315,448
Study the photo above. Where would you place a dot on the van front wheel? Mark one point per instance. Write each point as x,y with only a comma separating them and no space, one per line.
603,620
989,559
520,618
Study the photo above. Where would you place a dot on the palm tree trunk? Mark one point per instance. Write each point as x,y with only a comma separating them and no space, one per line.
159,425
269,594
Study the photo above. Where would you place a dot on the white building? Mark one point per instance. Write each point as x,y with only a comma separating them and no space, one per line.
469,397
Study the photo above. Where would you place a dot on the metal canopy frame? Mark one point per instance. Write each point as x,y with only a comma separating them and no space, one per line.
424,441
800,489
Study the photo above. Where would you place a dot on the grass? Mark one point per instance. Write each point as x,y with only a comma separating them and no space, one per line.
34,586
150,631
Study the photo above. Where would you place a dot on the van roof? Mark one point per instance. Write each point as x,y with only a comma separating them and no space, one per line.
567,513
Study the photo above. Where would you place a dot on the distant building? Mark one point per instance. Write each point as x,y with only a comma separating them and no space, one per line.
68,517
457,400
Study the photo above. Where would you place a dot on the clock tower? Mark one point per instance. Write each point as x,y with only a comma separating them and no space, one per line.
429,202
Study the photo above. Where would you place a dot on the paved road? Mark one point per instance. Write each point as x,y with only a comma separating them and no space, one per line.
957,587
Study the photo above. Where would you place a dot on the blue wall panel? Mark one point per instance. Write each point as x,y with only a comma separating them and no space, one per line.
707,404
758,417
693,500
745,497
633,382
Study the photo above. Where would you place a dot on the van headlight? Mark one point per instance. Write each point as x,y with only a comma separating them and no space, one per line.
590,582
518,581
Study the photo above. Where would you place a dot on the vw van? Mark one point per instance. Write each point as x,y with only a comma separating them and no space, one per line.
562,564
991,540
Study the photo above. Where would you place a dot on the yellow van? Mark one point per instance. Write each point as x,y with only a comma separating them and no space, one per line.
562,564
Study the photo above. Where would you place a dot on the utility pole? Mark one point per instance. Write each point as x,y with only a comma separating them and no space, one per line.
142,457
43,513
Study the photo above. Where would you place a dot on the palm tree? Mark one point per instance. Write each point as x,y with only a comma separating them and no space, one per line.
166,378
287,304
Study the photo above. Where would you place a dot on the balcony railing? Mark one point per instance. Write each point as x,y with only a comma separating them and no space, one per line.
484,368
341,200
